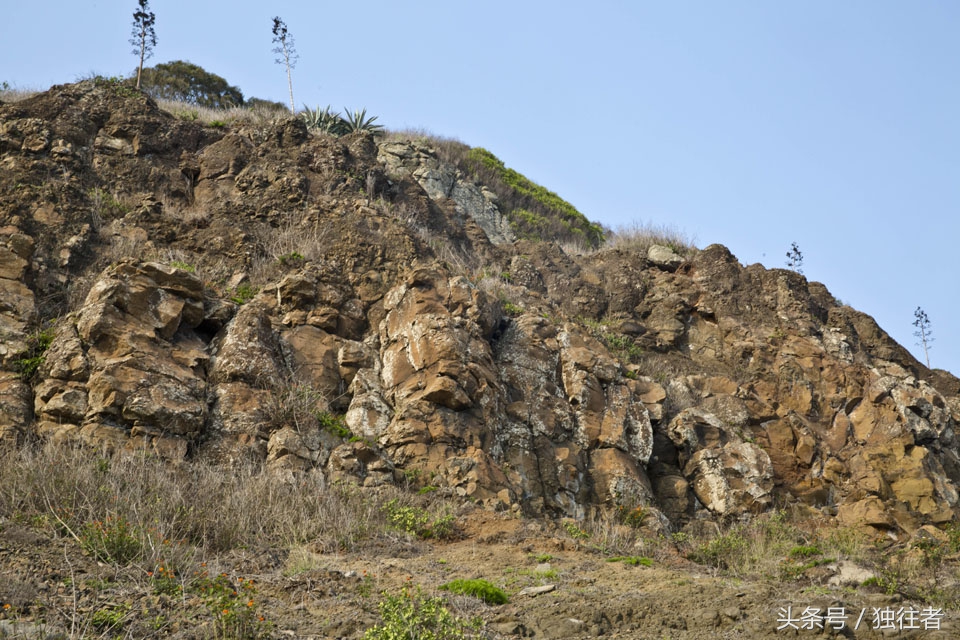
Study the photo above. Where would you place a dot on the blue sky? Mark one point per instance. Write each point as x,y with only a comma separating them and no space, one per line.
754,124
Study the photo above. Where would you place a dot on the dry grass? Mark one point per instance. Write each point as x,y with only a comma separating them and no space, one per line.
14,94
256,116
199,507
301,236
641,236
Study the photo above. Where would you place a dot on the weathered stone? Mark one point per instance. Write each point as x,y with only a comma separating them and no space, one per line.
441,180
728,475
247,351
664,257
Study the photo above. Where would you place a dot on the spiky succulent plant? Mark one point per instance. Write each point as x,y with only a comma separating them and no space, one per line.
358,122
324,120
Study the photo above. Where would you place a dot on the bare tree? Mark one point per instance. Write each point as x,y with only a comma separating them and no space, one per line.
144,37
288,55
922,323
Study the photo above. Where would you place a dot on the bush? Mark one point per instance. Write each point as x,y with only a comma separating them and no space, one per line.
233,606
112,539
186,82
482,589
417,522
410,615
30,360
723,552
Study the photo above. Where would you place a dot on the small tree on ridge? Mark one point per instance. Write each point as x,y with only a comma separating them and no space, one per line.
144,37
795,258
288,55
922,323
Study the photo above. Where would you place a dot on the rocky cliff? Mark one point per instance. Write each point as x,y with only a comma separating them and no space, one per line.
359,308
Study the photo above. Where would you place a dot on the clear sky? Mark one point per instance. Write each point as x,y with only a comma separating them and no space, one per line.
835,125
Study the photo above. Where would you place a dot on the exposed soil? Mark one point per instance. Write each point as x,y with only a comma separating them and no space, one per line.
305,593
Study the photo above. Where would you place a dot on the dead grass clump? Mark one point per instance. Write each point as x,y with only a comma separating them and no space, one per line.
256,116
301,236
450,149
758,547
14,94
640,237
154,508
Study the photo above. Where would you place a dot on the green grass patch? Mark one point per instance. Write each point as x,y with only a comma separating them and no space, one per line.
479,588
633,561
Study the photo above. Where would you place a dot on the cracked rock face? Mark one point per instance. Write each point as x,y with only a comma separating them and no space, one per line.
359,310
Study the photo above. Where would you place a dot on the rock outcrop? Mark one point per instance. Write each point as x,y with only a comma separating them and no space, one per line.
363,311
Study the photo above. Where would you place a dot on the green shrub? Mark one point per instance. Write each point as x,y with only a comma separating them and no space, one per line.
327,121
164,581
233,605
622,346
183,266
634,517
723,552
418,522
30,360
244,294
479,588
111,540
333,424
110,618
574,531
292,259
804,551
511,309
105,205
412,616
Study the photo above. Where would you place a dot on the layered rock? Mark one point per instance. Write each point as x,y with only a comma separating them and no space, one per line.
391,329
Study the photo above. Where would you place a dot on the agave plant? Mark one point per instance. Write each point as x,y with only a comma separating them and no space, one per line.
324,120
358,122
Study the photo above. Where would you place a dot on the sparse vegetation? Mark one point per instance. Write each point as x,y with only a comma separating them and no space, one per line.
574,531
140,501
511,309
109,619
